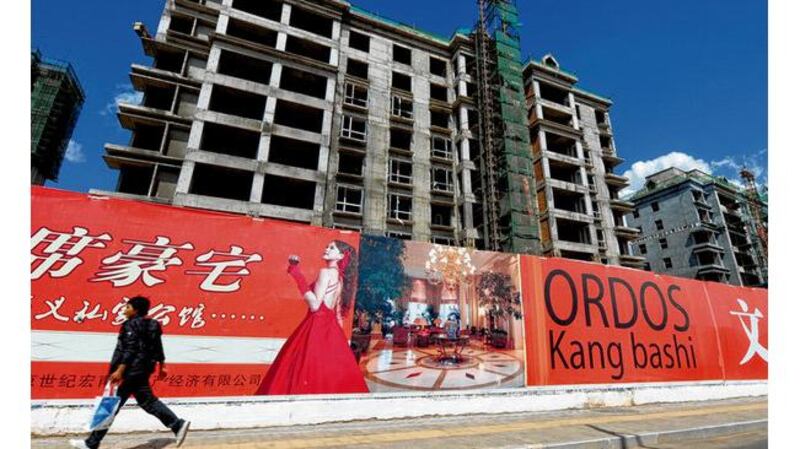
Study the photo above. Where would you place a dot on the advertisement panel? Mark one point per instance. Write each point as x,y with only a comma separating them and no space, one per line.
436,318
218,284
589,323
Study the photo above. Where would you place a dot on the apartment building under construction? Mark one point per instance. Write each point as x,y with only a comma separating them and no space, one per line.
324,113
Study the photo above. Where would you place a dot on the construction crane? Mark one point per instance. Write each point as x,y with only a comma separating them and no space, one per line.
754,204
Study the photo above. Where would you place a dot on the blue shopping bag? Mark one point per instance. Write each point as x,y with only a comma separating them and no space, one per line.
105,409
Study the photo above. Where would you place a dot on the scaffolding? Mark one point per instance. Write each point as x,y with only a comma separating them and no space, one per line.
506,158
56,101
756,218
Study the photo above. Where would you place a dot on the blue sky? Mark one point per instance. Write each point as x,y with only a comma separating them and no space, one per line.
688,77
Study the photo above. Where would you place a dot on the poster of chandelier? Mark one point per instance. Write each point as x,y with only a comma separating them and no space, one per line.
432,317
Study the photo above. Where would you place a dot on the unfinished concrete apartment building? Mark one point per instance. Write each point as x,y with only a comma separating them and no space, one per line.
324,113
581,213
699,226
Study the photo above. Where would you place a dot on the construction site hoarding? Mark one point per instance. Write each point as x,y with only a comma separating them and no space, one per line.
588,323
353,313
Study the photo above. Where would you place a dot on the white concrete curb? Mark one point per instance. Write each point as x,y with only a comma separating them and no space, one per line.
57,417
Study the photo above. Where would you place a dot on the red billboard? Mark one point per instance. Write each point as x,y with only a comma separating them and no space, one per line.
590,323
218,284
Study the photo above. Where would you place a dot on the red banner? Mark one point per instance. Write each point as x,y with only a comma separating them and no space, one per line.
218,284
590,323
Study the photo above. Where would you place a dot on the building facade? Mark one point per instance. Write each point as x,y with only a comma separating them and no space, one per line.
698,226
324,113
56,101
580,210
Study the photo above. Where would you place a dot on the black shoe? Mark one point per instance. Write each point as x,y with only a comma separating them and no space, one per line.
180,434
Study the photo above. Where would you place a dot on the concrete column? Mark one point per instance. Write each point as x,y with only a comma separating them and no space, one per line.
185,178
213,59
330,90
257,188
280,45
269,110
286,13
572,107
204,99
222,23
263,147
537,89
227,3
195,135
463,115
275,77
337,30
334,58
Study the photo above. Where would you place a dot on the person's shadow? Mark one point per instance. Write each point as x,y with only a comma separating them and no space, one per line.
156,443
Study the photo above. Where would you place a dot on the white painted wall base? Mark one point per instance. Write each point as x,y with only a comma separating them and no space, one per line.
64,417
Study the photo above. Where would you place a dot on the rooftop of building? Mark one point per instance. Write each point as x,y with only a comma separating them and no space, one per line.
674,176
438,38
548,63
58,65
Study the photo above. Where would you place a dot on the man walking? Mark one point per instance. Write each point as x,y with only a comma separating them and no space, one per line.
138,351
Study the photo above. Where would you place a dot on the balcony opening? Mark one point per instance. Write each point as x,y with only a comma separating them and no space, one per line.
569,201
556,116
296,153
303,47
166,181
573,231
304,82
472,89
440,119
357,69
135,180
354,128
401,54
359,41
474,149
181,24
177,142
298,116
221,182
702,237
438,67
244,67
401,82
313,23
349,199
441,180
351,164
356,95
441,215
707,258
472,118
399,207
237,102
252,33
402,107
605,143
288,192
554,94
441,147
228,140
158,97
439,92
400,139
401,172
171,61
600,116
566,173
148,137
187,101
562,145
267,9
577,255
196,61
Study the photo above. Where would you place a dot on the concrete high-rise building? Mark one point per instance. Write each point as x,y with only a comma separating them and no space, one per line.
581,213
324,113
56,101
698,226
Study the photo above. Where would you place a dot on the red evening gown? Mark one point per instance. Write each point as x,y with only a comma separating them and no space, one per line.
316,359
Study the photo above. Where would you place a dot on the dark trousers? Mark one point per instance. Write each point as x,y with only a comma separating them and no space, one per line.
139,387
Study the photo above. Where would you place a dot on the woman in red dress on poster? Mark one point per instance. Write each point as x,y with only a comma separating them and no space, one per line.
316,359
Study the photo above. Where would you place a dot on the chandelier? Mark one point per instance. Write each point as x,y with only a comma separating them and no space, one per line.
448,265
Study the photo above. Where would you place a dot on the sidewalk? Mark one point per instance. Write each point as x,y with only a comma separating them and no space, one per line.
592,428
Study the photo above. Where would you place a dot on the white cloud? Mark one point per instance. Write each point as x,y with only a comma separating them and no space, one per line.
642,169
124,94
74,152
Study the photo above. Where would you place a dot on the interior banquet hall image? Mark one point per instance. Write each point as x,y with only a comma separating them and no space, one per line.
454,322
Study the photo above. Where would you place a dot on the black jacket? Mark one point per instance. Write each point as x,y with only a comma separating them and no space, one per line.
139,347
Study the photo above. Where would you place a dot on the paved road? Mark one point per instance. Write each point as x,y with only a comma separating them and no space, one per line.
509,431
